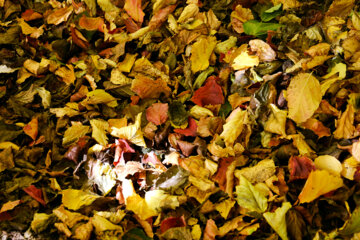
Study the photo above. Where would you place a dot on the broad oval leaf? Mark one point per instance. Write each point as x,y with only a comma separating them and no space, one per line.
304,97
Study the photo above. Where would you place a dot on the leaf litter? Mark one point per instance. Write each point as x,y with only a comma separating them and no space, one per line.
177,119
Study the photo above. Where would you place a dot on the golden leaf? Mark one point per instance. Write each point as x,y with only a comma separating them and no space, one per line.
59,15
318,183
200,55
277,121
67,74
234,126
304,97
244,61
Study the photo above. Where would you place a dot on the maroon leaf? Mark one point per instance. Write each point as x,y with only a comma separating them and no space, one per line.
300,167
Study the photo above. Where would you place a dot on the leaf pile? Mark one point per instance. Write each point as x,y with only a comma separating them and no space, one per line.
170,119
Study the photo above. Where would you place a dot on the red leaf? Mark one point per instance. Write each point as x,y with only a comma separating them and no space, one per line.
29,15
31,129
157,113
172,222
300,167
211,93
220,175
190,131
35,193
133,8
131,26
161,16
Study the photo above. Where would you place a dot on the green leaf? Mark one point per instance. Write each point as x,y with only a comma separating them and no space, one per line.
271,13
353,224
277,220
256,28
136,234
249,197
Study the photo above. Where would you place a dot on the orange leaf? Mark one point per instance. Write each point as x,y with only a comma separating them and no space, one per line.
79,39
133,8
300,167
317,127
31,129
91,24
157,113
29,15
220,175
147,88
211,93
9,205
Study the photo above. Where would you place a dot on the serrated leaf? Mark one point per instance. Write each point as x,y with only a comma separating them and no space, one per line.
277,220
304,97
249,197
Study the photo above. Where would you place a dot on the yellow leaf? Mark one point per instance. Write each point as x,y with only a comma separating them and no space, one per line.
349,167
258,173
277,121
340,8
99,128
100,96
200,54
244,61
234,126
300,143
68,217
158,199
132,132
66,74
74,199
139,206
326,84
73,133
9,205
40,222
304,97
315,61
318,183
101,224
344,126
287,4
339,68
224,207
277,220
83,231
127,64
4,145
329,163
318,49
118,78
28,30
198,112
188,13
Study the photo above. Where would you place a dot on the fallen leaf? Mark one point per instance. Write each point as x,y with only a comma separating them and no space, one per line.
344,126
9,205
317,127
99,128
157,113
329,163
74,199
300,167
318,183
304,97
244,61
91,24
234,126
59,15
190,130
133,8
35,193
210,93
31,129
199,55
277,220
145,87
263,50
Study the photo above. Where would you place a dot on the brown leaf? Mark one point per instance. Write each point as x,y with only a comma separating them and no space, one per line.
91,24
59,15
31,129
29,15
317,127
